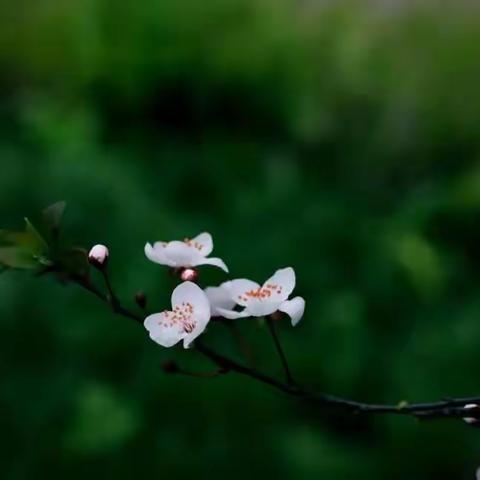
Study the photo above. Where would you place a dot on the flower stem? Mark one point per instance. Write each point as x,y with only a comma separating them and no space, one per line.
112,298
241,341
278,346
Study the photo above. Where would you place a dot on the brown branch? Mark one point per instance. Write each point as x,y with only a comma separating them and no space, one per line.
118,309
441,409
447,408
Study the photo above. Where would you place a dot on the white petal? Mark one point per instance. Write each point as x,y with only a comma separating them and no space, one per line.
216,262
190,337
232,314
190,292
294,308
238,289
259,307
179,254
204,242
156,253
281,284
162,331
219,297
167,330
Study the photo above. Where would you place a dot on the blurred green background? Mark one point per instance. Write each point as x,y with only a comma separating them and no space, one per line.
340,138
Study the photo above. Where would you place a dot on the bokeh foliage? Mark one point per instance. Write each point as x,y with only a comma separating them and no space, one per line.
341,140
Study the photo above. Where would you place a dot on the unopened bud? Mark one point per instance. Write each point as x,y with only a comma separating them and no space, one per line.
98,256
470,407
170,367
141,300
189,275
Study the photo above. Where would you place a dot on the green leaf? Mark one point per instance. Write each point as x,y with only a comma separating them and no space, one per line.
34,240
15,257
23,250
52,215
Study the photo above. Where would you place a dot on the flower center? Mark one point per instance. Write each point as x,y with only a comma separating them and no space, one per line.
181,314
193,244
262,293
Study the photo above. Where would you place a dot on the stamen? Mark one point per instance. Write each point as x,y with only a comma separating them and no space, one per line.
193,244
261,292
182,314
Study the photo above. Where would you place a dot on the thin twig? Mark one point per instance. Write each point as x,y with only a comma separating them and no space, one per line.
239,338
86,284
278,346
447,408
441,409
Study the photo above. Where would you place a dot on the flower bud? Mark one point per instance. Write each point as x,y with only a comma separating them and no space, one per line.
141,300
471,407
98,256
170,367
189,275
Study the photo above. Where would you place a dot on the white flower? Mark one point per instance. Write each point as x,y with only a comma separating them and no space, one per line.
98,255
219,298
266,299
187,254
188,318
470,420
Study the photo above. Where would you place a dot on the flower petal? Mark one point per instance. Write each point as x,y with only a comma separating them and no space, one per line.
204,243
281,284
162,331
259,307
156,253
191,292
188,292
232,314
198,330
219,297
294,308
216,262
179,254
238,289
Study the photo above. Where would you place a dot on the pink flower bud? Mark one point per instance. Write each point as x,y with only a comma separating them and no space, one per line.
98,256
189,275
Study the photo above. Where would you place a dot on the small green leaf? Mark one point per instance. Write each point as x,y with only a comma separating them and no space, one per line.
15,257
23,250
34,239
52,215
